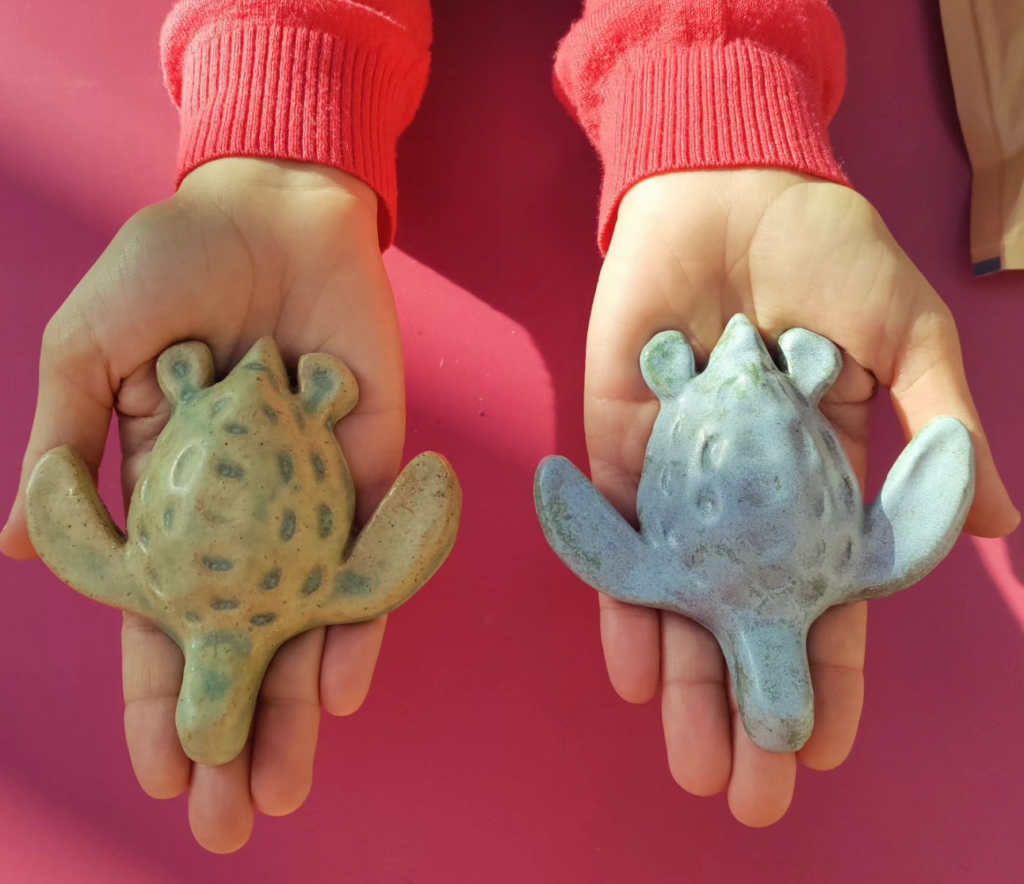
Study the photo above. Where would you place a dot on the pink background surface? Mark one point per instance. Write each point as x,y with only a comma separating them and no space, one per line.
492,747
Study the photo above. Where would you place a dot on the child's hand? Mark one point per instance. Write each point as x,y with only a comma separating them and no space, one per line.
689,250
245,248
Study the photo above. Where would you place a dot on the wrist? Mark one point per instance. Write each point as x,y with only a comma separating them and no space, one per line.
278,185
704,194
283,177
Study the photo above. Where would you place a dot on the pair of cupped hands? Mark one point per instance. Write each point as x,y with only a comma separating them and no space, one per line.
249,247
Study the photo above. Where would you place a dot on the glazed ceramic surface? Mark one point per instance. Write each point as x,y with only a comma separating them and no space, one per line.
751,518
239,530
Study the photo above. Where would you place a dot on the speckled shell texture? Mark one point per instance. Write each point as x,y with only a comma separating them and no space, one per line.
752,521
239,529
253,486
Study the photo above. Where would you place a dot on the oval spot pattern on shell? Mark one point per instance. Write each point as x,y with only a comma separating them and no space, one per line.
267,373
286,466
217,564
168,519
288,525
325,521
846,555
677,431
705,452
272,580
707,503
667,478
322,388
192,617
313,581
349,583
831,443
230,470
849,500
237,429
224,604
815,559
218,405
319,468
263,619
271,414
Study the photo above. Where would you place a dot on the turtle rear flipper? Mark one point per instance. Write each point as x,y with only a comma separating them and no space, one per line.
220,685
771,676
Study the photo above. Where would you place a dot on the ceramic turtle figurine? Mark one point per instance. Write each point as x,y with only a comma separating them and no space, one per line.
751,518
239,529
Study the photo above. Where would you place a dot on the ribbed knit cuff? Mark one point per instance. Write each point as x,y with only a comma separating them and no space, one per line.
290,92
707,107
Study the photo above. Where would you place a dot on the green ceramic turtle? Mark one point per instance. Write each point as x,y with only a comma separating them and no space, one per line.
240,529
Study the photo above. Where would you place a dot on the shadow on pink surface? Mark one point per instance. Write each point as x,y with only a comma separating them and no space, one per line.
499,186
1004,561
491,747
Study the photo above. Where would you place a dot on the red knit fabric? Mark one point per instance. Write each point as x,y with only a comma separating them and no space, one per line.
325,81
661,85
657,85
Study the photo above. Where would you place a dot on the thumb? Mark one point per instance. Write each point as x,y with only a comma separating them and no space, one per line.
73,408
929,381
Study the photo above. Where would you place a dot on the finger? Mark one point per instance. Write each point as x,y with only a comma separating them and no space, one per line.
835,648
142,414
220,809
372,438
631,641
286,726
929,381
151,670
372,434
694,707
619,415
630,634
350,656
761,786
847,406
73,407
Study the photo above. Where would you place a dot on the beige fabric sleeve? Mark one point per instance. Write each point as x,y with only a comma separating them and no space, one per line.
985,46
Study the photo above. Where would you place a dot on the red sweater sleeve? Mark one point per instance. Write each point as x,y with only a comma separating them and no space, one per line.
324,81
661,85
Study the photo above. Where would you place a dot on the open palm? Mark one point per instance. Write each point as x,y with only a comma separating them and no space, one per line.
246,248
690,249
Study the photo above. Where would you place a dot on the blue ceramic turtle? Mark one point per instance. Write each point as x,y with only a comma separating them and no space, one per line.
751,518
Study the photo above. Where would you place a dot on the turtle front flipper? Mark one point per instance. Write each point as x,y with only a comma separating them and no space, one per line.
918,516
812,363
406,540
74,534
588,533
